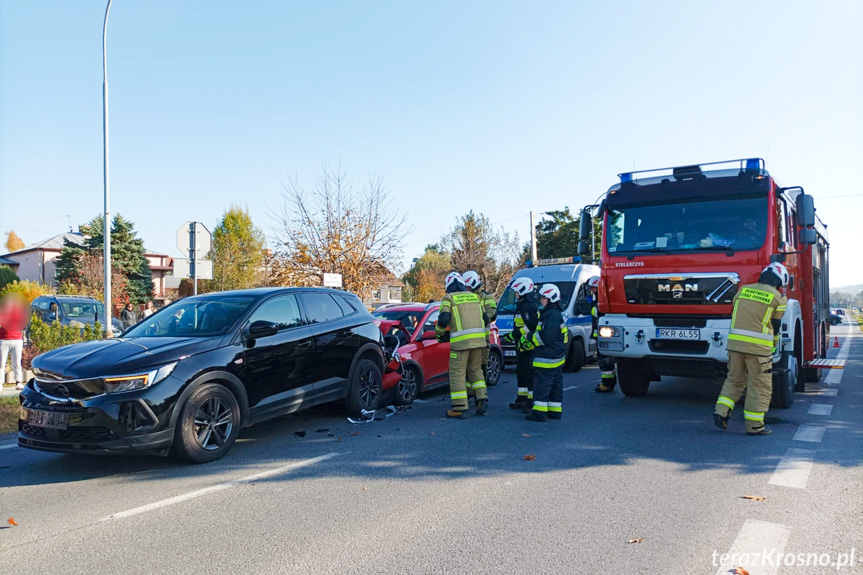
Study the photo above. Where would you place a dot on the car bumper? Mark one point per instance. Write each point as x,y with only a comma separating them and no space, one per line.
135,422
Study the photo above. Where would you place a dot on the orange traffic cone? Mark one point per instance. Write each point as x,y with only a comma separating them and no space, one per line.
836,342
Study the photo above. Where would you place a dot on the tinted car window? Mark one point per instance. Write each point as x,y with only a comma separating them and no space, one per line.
193,317
347,308
321,307
82,308
283,310
429,324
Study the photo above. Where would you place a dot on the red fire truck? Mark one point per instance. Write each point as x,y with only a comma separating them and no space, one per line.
676,245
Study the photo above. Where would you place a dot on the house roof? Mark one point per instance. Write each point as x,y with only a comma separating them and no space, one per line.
7,262
53,243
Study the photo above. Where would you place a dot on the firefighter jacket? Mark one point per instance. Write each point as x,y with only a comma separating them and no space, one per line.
526,316
758,310
461,312
594,316
489,306
550,338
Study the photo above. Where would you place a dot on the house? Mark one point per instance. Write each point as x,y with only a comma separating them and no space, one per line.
36,262
387,290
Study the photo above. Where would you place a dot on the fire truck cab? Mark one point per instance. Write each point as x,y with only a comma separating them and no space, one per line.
677,243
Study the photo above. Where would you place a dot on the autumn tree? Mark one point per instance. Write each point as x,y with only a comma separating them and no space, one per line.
425,279
474,244
127,258
13,242
335,228
89,280
238,251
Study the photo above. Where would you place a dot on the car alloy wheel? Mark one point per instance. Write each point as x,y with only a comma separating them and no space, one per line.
407,388
214,422
492,370
369,388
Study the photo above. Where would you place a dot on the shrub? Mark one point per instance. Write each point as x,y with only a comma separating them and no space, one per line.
7,276
30,290
44,336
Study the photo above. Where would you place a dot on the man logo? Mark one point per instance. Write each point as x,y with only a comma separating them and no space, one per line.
677,290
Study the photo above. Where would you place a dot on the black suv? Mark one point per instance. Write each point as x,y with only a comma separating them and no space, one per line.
187,378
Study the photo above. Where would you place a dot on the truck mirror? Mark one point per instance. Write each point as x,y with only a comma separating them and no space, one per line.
777,258
583,248
805,211
808,236
585,226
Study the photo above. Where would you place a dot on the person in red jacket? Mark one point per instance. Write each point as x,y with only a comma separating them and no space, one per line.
13,319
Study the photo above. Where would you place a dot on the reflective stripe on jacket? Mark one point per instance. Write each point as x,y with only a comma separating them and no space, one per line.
756,306
466,324
550,338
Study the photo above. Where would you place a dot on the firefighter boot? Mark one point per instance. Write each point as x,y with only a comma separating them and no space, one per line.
602,388
535,415
481,406
763,430
455,414
720,421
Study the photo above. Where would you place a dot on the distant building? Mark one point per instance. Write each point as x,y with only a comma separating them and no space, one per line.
36,262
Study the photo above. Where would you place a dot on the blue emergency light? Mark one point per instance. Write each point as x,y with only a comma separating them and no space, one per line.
753,164
626,178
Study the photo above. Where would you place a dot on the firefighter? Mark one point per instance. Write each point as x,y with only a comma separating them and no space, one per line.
461,312
525,320
606,364
550,339
752,341
489,308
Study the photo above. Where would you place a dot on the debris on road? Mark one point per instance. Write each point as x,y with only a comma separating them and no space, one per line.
526,435
299,434
636,540
356,433
367,416
740,571
530,457
753,497
322,430
12,522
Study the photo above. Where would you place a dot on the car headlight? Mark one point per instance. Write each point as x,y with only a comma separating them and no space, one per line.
608,331
132,382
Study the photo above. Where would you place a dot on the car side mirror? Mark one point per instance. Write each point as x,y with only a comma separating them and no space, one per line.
262,328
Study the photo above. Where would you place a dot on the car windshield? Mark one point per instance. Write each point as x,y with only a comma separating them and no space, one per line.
198,317
409,318
507,302
83,309
737,224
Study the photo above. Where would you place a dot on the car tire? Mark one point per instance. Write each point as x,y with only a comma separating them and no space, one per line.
785,380
408,387
493,368
633,382
365,387
208,424
575,357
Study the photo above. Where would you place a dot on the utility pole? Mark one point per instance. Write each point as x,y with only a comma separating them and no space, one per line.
532,237
107,213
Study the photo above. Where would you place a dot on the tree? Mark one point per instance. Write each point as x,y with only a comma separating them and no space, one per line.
13,242
336,229
473,244
90,280
425,280
127,259
238,251
557,237
7,276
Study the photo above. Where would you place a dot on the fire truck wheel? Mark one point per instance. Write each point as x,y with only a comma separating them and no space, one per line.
575,357
784,381
633,382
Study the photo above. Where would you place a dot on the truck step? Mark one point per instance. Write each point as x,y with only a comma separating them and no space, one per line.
827,363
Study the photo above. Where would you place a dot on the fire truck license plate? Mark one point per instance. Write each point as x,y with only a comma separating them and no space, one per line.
675,333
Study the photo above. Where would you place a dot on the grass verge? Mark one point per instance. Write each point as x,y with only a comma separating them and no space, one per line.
9,414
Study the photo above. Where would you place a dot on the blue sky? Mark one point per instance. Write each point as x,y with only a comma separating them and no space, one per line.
500,107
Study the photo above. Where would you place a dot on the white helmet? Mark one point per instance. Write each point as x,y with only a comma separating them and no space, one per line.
779,270
471,280
522,286
593,282
551,292
453,277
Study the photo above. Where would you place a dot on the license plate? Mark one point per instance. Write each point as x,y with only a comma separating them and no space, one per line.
674,333
509,353
48,419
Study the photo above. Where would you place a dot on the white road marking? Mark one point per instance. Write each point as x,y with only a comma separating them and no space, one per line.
826,392
835,375
219,487
794,468
8,446
820,409
810,433
570,387
754,537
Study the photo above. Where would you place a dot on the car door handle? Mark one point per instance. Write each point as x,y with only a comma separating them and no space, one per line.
304,345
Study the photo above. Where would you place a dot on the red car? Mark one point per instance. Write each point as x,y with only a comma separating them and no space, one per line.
425,361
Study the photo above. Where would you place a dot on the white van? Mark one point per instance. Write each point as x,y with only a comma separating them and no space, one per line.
571,278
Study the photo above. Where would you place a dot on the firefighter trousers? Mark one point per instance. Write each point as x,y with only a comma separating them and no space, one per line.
548,392
524,374
465,374
606,368
755,374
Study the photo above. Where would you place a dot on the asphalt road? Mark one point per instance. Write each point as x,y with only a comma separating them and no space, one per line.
416,493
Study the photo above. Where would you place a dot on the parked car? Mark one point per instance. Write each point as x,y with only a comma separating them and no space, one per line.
191,375
424,360
75,310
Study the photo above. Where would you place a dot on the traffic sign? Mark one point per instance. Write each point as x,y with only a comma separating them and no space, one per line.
203,238
183,268
333,280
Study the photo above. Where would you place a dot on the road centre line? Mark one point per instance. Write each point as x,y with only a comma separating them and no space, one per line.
8,446
754,537
794,468
809,433
820,409
219,487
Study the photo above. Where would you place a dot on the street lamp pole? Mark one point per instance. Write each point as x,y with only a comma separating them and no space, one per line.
107,217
